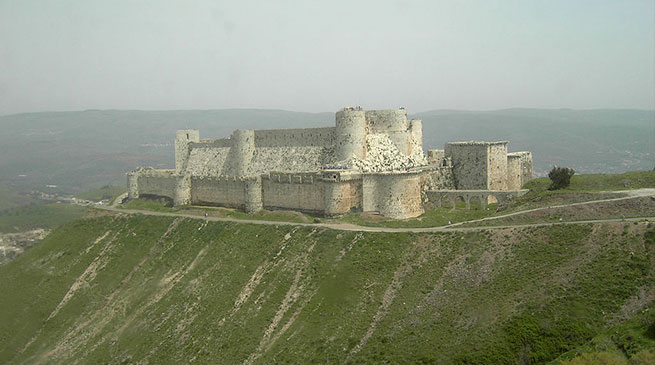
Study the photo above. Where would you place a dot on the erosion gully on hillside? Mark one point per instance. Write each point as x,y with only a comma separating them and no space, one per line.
135,288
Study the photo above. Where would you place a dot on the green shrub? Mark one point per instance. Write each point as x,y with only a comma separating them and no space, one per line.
560,177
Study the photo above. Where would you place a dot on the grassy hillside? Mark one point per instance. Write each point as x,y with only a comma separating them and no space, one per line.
598,182
162,290
46,216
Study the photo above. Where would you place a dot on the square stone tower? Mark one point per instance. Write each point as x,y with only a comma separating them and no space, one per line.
478,165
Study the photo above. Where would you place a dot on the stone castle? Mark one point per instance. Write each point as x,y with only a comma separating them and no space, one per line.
370,161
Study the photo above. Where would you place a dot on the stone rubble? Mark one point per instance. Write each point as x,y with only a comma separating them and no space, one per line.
383,155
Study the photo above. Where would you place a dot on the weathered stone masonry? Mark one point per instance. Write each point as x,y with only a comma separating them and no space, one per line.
371,161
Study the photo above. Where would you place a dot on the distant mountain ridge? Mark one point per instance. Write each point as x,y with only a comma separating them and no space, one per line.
85,149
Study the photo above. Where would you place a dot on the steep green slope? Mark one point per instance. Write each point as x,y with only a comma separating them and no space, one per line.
46,216
163,290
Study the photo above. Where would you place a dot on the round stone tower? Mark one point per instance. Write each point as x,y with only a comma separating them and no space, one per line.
350,134
243,147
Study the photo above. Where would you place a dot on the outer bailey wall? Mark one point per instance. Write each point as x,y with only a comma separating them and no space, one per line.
212,143
162,183
289,193
183,190
469,165
497,166
369,194
439,178
218,191
342,196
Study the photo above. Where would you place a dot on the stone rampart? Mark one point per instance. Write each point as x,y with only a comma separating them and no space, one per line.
223,191
212,143
157,183
311,137
469,164
438,177
208,161
303,192
296,159
253,195
342,197
182,190
478,165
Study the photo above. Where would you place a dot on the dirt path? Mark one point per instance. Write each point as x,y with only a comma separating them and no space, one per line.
633,194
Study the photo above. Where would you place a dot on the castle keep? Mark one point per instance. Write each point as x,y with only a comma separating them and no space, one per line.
370,161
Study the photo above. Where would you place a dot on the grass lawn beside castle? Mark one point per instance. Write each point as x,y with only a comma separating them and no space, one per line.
583,188
219,212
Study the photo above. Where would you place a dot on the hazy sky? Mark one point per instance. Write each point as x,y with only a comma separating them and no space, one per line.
323,55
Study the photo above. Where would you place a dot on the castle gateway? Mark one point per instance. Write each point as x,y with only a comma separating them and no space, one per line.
370,161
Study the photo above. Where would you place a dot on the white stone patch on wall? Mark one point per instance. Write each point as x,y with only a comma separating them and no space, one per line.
383,155
417,151
207,161
290,159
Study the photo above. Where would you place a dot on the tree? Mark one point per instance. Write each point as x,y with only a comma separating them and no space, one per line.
560,177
